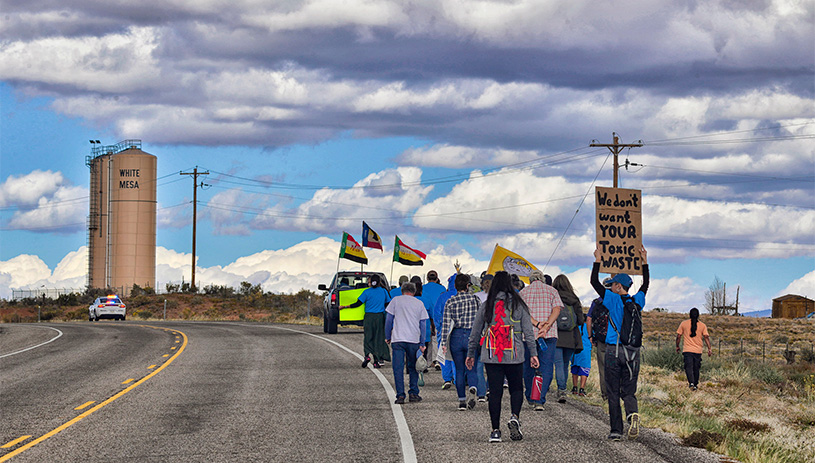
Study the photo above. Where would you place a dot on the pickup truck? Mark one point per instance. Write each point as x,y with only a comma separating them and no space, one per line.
345,289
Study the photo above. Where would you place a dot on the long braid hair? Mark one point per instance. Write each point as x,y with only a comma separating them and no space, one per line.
694,320
502,283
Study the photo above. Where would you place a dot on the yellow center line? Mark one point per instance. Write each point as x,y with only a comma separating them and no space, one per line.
80,417
85,405
128,381
166,355
151,367
15,442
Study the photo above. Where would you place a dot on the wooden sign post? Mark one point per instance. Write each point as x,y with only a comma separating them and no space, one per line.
619,229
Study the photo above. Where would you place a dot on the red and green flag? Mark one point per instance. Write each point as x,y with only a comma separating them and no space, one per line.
406,255
351,250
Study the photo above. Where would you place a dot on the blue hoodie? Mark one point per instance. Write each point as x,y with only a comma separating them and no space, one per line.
438,310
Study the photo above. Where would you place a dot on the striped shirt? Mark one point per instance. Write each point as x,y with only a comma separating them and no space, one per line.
542,299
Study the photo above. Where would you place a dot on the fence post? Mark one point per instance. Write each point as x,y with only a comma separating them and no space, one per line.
165,310
308,313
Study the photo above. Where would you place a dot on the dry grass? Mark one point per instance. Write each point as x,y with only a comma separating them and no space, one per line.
749,410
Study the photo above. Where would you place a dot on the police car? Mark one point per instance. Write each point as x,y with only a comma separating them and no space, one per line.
107,307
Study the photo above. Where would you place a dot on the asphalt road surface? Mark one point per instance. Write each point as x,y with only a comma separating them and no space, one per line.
243,392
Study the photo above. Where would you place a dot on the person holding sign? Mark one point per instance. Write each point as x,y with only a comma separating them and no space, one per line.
623,339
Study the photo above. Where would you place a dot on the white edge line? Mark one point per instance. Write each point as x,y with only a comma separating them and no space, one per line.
38,345
408,450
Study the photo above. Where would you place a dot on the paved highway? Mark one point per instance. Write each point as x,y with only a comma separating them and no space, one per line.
240,392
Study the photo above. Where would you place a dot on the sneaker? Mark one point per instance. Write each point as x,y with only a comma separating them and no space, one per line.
616,437
366,362
447,385
495,435
377,364
574,390
515,428
506,384
634,429
437,367
482,399
561,396
414,398
471,398
462,405
400,400
582,392
694,388
531,404
538,407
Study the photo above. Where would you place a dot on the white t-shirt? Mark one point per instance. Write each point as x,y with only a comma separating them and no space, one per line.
407,312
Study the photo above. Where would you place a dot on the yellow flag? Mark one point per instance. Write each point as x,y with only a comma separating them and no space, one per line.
508,261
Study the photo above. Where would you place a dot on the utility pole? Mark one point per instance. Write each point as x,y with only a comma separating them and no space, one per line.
616,148
195,186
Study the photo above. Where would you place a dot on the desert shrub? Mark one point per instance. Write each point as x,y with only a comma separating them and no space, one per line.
77,314
766,373
807,355
703,439
666,358
187,313
49,313
144,314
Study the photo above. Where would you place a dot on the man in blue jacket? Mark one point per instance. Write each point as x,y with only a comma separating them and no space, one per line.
622,362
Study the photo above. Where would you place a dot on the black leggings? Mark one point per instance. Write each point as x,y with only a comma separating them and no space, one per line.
514,372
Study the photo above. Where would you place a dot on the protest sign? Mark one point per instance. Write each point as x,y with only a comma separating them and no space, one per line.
619,230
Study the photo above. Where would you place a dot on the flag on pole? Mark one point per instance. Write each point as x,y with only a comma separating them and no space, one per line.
370,238
504,259
406,255
351,250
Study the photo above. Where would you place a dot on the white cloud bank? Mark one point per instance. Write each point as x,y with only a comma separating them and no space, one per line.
310,263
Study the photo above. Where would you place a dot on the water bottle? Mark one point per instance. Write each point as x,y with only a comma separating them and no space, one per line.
542,344
537,386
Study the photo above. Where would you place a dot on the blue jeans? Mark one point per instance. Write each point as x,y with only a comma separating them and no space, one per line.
459,339
547,365
401,350
562,360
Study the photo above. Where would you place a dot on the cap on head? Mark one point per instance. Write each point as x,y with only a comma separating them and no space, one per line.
487,277
623,279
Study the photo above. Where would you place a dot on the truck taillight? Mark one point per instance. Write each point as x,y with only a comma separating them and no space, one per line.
334,298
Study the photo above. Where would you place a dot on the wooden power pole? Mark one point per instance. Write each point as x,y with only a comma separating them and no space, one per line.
616,148
195,186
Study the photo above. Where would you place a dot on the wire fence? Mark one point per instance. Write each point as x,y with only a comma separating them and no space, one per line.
43,293
744,348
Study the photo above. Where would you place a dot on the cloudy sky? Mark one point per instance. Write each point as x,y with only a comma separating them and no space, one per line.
456,124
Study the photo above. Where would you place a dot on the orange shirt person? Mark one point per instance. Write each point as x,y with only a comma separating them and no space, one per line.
693,333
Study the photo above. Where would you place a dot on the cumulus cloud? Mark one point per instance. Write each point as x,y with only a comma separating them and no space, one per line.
804,286
44,201
385,196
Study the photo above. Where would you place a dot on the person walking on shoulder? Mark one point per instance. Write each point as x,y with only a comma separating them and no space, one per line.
693,332
459,314
544,307
405,331
375,299
569,339
622,361
500,330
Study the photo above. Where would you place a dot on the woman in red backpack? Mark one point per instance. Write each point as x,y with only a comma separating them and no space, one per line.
501,327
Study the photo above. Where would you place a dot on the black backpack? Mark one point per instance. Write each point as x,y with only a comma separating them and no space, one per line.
599,320
630,333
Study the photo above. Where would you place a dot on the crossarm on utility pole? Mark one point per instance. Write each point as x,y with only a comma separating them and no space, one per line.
615,149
